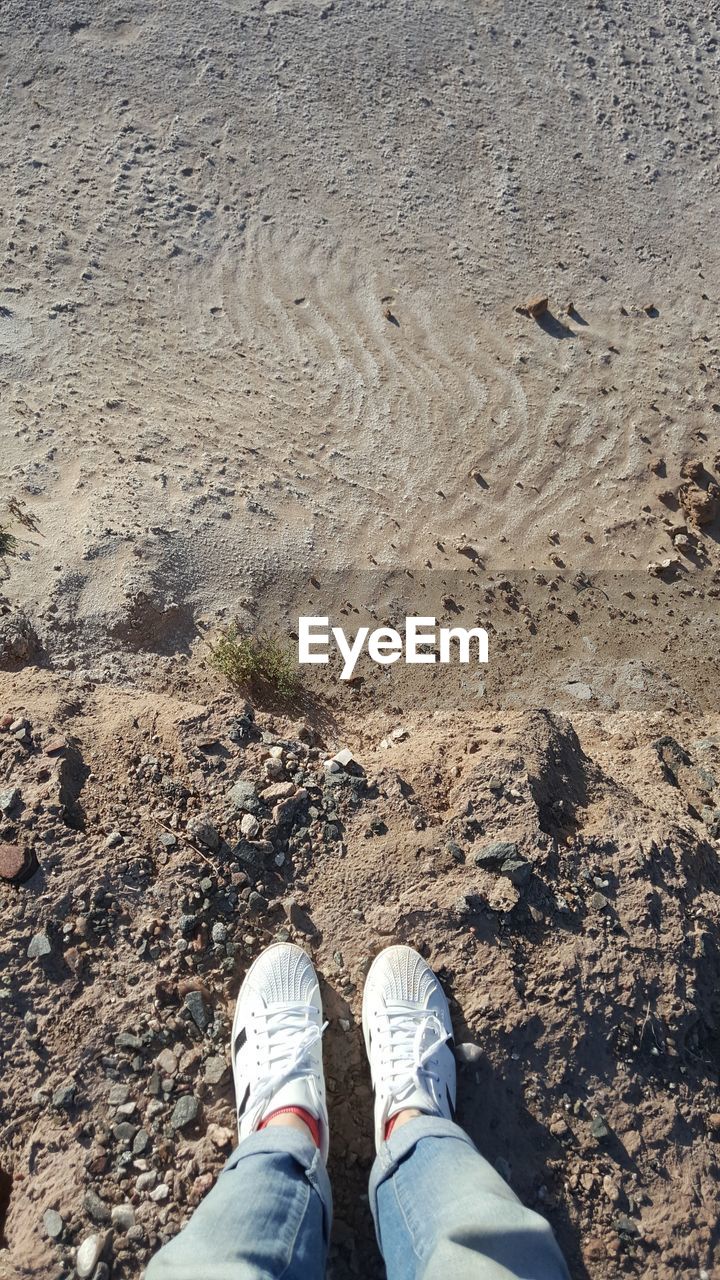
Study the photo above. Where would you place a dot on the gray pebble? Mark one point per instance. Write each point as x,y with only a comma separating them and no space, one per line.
198,1010
141,1142
185,1112
39,946
125,1132
9,798
53,1224
123,1217
96,1208
64,1096
216,1070
244,796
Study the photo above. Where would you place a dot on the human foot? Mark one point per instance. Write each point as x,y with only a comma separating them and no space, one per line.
277,1043
408,1038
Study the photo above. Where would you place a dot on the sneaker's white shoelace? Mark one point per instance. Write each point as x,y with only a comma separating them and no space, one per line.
407,1049
290,1037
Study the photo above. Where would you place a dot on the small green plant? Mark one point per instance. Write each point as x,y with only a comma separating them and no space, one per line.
8,543
260,663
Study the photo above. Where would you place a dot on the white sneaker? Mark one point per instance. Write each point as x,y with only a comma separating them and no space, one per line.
277,1040
408,1038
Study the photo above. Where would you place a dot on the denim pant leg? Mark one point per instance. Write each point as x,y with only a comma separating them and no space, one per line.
268,1216
443,1213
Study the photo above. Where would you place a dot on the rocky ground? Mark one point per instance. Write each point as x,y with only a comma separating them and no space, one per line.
561,878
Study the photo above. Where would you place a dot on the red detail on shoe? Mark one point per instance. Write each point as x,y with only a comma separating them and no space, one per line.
312,1123
390,1125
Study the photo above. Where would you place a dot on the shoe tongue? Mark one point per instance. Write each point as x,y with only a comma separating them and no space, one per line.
296,1092
415,1100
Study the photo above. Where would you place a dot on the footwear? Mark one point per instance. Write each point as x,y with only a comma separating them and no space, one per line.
408,1038
277,1040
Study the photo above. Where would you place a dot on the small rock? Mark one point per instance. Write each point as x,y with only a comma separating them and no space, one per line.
166,1062
668,567
123,1217
537,306
559,1128
141,1142
274,770
298,918
39,946
125,1132
216,1070
598,1127
692,469
128,1040
185,1112
88,1256
344,757
96,1208
470,552
9,798
202,830
16,865
468,1054
611,1189
160,1193
198,1010
249,825
114,839
455,851
243,795
702,506
53,1224
578,689
625,1226
504,857
278,791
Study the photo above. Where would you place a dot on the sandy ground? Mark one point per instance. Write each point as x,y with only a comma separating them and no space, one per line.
259,350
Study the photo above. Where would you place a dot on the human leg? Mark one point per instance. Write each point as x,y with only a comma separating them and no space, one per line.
440,1208
268,1216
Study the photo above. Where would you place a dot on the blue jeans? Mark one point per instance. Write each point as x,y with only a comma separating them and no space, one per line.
441,1212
